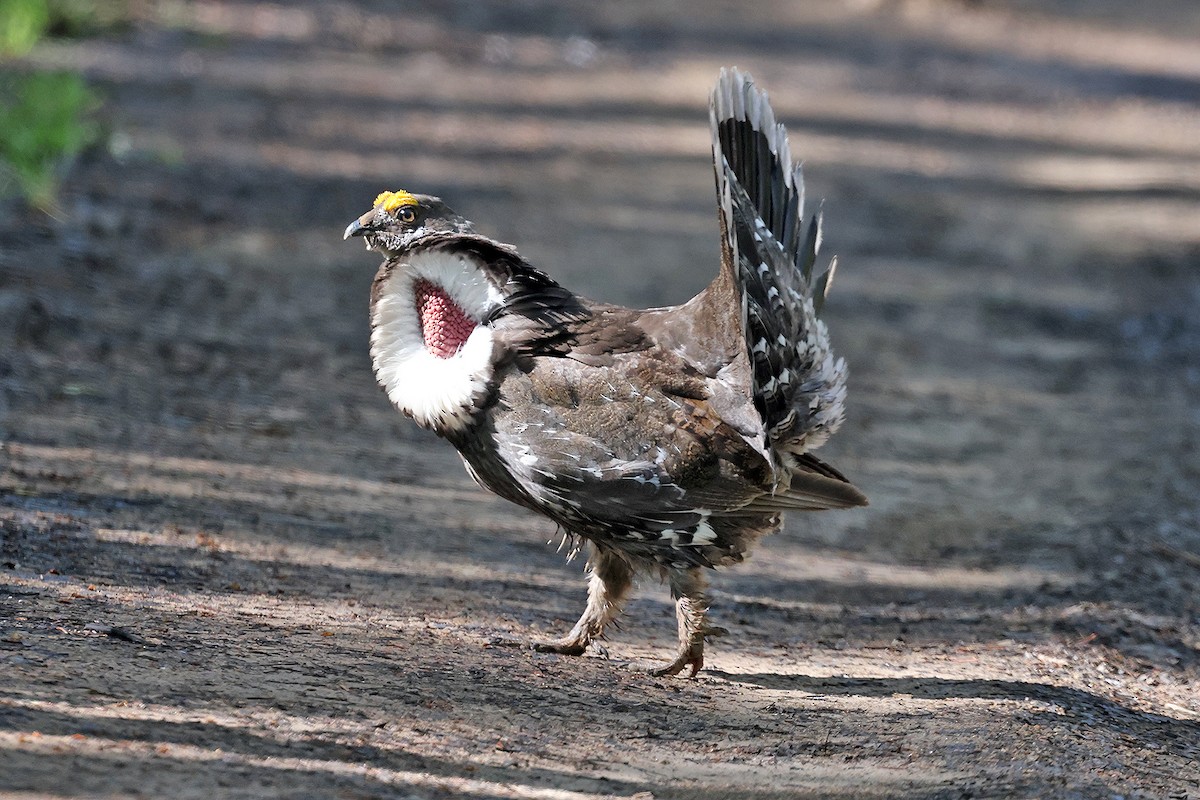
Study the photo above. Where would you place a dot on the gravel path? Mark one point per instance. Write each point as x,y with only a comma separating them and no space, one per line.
229,569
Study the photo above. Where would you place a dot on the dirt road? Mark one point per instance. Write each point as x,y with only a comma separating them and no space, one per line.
229,569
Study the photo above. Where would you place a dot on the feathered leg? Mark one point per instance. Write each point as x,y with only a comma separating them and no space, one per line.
609,580
691,608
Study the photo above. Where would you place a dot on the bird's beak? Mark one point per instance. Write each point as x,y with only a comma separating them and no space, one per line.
354,229
361,226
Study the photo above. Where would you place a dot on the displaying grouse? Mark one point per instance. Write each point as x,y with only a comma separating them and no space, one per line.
668,439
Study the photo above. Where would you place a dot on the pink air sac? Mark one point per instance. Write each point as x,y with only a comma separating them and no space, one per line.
444,325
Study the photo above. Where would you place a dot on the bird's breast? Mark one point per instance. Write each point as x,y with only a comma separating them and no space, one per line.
431,352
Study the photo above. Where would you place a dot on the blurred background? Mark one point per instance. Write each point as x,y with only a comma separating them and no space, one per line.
1012,190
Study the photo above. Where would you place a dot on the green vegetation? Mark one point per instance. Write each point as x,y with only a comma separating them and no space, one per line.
22,24
44,116
43,124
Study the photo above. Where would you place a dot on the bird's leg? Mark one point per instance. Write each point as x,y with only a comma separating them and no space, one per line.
691,607
609,580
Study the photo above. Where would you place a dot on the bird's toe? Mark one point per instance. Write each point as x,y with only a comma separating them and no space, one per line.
695,660
565,647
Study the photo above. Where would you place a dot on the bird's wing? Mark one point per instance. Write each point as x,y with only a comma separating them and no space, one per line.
630,453
769,255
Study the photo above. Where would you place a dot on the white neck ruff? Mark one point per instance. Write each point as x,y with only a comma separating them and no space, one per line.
438,393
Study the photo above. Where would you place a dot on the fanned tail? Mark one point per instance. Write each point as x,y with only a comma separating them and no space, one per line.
799,387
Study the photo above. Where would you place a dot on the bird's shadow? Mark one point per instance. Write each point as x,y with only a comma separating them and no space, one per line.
1066,705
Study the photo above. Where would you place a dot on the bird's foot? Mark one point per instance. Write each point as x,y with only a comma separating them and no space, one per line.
566,647
688,657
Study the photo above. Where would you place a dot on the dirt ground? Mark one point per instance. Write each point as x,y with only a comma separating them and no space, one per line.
229,569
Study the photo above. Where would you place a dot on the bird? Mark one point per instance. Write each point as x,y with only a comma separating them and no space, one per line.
666,440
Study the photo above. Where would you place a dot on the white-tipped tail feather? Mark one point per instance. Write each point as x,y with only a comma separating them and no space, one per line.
799,387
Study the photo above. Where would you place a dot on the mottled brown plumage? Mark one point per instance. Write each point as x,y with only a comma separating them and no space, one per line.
670,439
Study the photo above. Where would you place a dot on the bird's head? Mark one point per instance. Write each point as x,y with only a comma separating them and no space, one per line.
400,220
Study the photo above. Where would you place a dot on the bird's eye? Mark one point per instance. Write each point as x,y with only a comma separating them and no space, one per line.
406,214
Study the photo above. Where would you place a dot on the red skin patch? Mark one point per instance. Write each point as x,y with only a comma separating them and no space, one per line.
444,325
